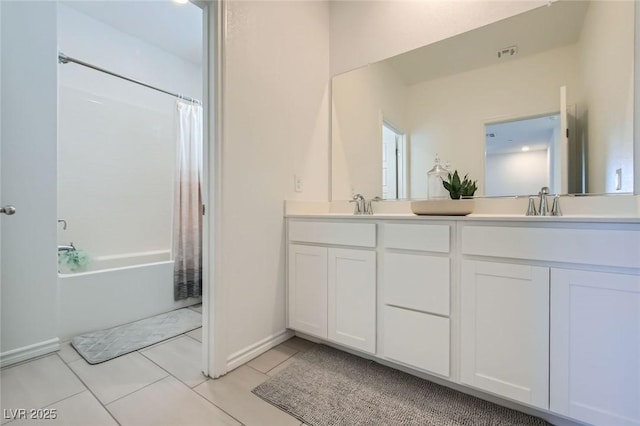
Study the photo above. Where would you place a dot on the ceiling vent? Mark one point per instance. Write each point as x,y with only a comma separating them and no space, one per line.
507,52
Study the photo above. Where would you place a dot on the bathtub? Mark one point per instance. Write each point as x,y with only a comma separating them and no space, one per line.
115,290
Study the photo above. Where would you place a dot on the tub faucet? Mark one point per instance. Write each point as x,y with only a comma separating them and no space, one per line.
65,248
360,204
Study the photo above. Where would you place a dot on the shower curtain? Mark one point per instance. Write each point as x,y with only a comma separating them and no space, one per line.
187,210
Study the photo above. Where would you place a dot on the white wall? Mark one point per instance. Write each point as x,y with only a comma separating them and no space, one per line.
363,32
446,116
90,40
517,173
607,67
275,125
28,108
116,143
361,100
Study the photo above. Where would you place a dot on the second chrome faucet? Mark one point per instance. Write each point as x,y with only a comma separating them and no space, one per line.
362,205
543,209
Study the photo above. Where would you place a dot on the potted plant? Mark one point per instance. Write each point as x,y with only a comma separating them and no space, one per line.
459,188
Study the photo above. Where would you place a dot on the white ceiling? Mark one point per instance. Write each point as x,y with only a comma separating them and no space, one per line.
173,27
532,32
507,137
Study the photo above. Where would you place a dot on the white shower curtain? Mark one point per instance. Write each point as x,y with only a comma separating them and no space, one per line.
187,210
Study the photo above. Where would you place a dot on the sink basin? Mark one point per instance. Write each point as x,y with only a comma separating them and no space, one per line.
443,207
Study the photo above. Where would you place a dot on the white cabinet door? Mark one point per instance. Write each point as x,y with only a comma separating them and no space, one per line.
352,298
595,346
505,330
308,289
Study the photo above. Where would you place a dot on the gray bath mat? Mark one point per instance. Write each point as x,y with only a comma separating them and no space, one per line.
103,345
330,387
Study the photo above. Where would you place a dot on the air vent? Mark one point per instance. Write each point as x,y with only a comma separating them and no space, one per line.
507,52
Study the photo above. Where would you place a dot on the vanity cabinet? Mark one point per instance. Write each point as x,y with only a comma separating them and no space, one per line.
568,299
416,294
505,330
539,312
331,289
595,346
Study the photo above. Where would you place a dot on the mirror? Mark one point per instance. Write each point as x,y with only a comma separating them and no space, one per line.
442,100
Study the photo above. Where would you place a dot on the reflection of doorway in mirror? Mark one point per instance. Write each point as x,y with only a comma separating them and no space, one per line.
393,163
521,154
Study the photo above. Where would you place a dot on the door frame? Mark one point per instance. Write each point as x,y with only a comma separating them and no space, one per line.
213,344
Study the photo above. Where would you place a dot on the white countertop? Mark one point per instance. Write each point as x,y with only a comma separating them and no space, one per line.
593,209
471,217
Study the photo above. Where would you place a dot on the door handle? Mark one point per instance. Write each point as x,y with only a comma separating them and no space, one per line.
8,210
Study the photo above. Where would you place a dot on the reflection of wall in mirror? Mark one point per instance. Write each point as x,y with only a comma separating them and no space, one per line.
362,100
447,115
527,172
606,51
364,32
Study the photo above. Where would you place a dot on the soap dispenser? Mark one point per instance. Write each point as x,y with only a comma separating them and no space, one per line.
435,177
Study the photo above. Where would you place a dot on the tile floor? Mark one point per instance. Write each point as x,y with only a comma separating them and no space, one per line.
158,385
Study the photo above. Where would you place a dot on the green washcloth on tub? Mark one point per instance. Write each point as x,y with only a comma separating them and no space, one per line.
74,260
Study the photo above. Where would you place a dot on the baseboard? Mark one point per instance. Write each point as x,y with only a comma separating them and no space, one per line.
27,352
236,359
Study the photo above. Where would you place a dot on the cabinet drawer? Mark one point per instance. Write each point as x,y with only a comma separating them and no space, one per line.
417,282
417,339
604,247
348,234
417,237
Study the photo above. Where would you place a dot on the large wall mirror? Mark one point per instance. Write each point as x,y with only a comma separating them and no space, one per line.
544,98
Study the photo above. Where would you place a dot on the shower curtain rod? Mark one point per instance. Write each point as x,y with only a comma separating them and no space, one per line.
63,59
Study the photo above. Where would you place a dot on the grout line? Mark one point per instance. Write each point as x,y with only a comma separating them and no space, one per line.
174,376
90,391
276,366
74,350
190,337
254,369
214,404
131,393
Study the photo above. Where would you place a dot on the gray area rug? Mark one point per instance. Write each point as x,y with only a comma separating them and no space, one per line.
103,345
330,387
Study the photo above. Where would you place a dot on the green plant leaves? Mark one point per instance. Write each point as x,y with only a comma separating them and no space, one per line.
459,188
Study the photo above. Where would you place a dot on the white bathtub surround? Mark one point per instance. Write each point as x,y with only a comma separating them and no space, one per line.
187,203
116,143
100,299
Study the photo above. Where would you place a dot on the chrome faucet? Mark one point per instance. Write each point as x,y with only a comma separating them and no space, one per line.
360,204
543,210
369,207
531,209
66,248
555,209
